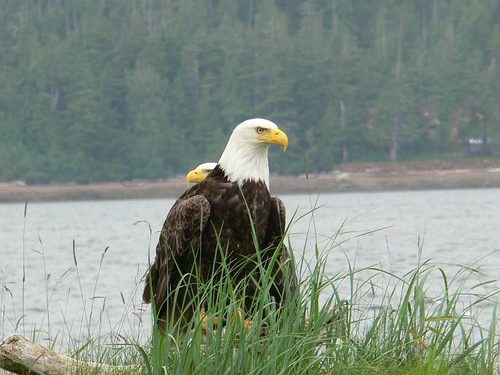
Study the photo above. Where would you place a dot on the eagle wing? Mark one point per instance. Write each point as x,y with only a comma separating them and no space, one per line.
181,232
285,268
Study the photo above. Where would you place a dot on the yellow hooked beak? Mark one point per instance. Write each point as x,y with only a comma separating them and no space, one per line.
196,175
274,136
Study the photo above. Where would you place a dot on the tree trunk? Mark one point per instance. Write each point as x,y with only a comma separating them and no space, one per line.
54,103
21,356
396,124
423,53
396,129
345,147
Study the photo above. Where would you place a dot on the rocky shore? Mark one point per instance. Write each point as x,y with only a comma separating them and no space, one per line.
410,175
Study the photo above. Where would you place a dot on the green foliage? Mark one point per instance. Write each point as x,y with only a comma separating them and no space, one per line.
347,323
406,331
364,321
107,90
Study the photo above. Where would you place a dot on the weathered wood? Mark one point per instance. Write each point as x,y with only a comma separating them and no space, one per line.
21,356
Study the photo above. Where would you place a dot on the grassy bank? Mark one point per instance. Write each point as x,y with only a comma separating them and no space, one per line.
363,321
406,331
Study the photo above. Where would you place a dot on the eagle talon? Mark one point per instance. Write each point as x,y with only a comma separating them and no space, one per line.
247,323
204,319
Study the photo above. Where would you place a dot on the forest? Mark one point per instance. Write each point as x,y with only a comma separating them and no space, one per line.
104,90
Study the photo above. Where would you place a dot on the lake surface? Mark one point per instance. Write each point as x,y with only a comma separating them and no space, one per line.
100,293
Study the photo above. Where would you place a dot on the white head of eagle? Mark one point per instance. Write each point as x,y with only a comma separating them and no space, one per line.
245,155
200,172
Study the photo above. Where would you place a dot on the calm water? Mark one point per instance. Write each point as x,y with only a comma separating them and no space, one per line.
373,229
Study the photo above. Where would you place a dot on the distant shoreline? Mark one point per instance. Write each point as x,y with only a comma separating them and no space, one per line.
354,177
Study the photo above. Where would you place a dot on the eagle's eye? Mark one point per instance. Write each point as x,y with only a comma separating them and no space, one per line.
260,130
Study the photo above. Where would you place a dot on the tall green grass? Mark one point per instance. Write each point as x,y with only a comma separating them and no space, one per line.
319,332
362,321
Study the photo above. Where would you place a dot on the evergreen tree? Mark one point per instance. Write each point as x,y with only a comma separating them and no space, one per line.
110,90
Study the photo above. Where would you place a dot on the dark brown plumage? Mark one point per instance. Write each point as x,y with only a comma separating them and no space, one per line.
215,210
209,229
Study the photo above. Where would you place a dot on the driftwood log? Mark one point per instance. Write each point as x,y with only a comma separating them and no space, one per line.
22,356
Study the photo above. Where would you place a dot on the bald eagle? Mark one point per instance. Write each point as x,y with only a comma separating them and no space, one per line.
199,173
213,216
